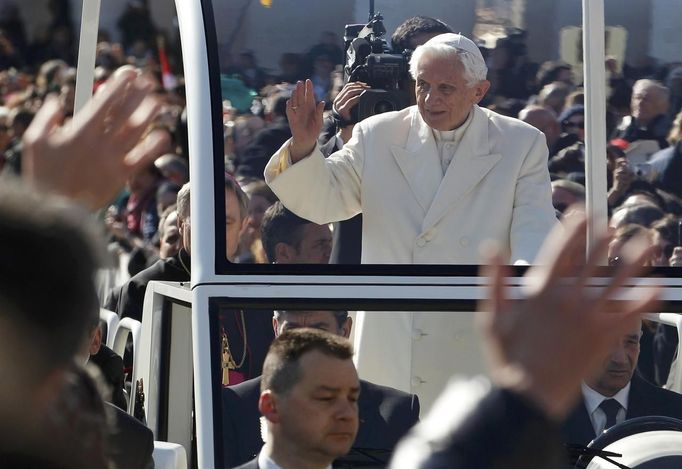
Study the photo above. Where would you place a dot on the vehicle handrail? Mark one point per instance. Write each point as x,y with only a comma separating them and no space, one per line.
132,327
111,320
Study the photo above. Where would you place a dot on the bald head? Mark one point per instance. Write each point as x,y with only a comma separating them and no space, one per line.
543,119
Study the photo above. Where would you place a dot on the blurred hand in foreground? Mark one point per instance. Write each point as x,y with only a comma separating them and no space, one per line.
544,345
89,158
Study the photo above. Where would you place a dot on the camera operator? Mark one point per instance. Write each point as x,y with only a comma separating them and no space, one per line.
410,34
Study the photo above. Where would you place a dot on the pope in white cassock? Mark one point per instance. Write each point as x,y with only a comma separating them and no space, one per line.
433,181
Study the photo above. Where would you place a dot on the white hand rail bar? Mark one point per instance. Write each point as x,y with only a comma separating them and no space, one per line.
111,320
134,328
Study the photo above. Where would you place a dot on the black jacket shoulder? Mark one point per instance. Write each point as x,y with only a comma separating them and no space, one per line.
130,443
131,298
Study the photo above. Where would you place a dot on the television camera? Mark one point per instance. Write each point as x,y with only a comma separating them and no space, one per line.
368,59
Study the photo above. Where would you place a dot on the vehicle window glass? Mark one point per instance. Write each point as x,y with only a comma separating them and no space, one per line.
433,205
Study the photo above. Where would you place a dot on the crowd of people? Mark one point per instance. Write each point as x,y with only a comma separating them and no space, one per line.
294,166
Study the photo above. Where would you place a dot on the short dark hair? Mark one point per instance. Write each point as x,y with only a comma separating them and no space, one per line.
281,370
49,256
408,29
280,225
340,316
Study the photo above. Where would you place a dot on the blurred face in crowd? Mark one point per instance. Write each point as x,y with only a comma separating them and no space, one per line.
170,239
233,223
322,320
544,120
575,125
257,207
141,181
617,369
444,98
647,103
317,419
563,198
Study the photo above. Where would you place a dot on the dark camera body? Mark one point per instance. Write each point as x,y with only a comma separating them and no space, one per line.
369,60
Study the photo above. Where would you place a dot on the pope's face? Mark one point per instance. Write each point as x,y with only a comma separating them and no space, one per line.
444,98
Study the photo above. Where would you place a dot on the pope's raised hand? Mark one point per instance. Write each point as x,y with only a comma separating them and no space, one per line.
305,120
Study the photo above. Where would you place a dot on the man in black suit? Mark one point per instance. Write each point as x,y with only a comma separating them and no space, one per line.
309,401
616,394
177,269
386,414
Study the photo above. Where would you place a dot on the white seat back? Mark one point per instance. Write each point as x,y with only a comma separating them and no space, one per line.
169,456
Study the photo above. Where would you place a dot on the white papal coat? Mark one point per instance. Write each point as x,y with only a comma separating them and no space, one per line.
497,187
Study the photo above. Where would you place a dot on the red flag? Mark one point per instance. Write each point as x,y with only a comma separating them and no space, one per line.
167,78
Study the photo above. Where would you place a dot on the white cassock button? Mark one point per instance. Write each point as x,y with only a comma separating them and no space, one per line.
421,242
464,241
417,381
417,334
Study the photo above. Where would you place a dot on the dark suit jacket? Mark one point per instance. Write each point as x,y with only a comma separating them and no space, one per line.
130,443
386,414
500,430
645,399
131,298
111,366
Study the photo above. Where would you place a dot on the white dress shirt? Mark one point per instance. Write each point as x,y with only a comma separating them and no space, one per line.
448,140
265,462
597,416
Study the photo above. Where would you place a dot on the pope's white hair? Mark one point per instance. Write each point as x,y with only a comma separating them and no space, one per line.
475,69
